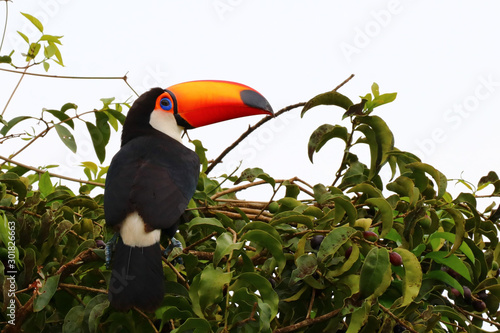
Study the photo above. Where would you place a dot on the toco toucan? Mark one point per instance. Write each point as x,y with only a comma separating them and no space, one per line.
152,178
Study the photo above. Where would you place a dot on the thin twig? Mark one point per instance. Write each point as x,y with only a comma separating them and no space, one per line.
45,131
309,310
13,92
187,248
399,321
247,133
308,322
84,288
66,77
466,313
147,318
55,175
260,123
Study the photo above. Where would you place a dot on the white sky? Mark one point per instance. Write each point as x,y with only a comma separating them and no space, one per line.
441,57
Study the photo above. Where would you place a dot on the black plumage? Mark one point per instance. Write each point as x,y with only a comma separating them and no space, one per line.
155,176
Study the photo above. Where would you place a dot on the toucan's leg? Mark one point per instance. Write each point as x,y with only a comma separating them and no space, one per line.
110,248
173,244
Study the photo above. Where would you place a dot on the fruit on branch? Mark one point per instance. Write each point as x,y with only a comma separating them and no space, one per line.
316,241
395,259
370,236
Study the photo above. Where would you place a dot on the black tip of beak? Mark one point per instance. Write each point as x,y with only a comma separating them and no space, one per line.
255,100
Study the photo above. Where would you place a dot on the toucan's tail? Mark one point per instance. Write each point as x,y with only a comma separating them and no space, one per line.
136,277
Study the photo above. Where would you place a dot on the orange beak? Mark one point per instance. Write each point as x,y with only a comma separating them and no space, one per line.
200,103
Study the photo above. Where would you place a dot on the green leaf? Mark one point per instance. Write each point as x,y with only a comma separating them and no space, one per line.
5,59
452,261
66,137
206,290
97,140
334,241
328,98
251,174
446,278
201,152
459,229
208,222
73,322
385,211
369,190
62,117
94,310
46,66
45,185
225,246
405,187
359,318
52,39
118,115
348,207
448,312
255,281
322,135
264,227
48,290
12,123
34,20
450,237
194,325
306,266
439,178
412,280
26,39
384,139
33,51
13,181
292,217
267,241
375,276
101,120
347,265
48,51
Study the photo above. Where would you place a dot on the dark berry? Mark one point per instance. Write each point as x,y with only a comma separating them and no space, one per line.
479,305
455,292
395,259
467,293
370,236
100,244
482,295
398,329
273,282
348,252
316,241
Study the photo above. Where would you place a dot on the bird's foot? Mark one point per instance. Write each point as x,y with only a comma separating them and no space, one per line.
110,248
174,243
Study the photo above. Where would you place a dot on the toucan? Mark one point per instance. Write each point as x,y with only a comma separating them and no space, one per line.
153,176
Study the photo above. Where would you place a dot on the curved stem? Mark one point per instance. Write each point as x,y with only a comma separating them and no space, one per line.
5,26
247,133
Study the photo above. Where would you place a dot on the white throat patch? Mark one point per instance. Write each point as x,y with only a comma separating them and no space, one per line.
165,122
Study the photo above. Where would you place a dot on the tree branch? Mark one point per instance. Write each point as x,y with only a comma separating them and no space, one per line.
247,133
308,322
55,175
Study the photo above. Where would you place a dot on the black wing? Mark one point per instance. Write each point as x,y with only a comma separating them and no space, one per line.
153,175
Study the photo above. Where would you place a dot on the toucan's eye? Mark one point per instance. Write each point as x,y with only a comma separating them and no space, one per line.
166,104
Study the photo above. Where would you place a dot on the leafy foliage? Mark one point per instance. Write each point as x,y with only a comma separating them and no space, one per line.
362,254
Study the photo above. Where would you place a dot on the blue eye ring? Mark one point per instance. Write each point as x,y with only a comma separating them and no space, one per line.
166,104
